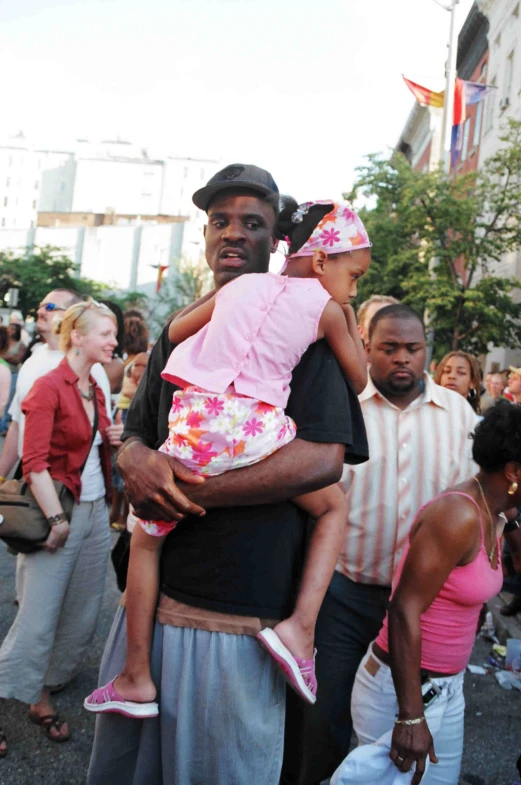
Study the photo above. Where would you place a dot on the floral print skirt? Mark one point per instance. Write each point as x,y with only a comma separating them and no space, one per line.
213,433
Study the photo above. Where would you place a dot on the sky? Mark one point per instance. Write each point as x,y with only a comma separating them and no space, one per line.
304,88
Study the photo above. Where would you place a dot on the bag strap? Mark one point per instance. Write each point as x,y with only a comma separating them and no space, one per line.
94,430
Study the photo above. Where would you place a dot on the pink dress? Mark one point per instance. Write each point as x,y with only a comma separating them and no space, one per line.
235,375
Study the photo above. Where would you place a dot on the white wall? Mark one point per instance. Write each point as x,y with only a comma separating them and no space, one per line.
122,257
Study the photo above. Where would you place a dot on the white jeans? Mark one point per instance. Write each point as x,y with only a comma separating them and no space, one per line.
374,708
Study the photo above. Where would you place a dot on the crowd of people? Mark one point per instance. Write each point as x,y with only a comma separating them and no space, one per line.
310,509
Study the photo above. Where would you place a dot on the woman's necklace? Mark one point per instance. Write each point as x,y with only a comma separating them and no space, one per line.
491,554
87,396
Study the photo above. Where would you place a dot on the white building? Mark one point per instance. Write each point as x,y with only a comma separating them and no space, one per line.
123,256
110,177
20,182
504,72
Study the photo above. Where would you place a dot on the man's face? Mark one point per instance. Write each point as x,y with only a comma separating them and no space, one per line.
497,385
44,320
514,383
397,355
239,235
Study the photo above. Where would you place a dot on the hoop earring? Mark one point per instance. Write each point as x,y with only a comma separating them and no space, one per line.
513,488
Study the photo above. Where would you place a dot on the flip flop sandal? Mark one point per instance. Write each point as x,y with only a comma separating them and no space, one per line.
298,672
3,740
107,700
49,722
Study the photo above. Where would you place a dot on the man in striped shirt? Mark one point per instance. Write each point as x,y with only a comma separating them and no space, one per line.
419,445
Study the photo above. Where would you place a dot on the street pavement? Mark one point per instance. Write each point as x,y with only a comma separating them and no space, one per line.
492,724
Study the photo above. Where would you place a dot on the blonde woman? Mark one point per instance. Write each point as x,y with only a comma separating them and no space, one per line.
68,437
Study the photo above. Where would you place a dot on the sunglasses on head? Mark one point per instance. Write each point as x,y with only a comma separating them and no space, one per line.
51,307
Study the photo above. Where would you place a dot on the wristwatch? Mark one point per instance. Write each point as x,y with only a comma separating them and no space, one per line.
54,520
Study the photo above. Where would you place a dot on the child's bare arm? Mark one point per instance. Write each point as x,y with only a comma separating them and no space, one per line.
353,332
333,326
184,326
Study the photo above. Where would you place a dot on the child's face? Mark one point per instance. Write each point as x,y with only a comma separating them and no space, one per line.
341,275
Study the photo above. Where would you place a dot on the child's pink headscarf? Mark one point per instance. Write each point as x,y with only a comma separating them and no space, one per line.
339,231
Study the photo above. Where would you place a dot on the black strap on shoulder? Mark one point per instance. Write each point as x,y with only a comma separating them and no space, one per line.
94,429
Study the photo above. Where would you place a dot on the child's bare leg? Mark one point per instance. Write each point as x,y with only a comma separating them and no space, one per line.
135,681
329,507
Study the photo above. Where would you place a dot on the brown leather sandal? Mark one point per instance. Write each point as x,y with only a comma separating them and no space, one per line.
3,740
49,722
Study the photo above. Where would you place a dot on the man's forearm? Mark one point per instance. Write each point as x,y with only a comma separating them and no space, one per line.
9,456
299,467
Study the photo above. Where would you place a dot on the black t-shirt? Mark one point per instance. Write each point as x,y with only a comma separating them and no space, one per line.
248,560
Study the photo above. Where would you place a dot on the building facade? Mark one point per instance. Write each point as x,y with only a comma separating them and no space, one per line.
113,178
504,73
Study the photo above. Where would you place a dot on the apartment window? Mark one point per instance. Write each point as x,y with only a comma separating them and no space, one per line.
477,124
36,185
34,204
146,196
6,201
7,182
31,225
491,102
3,221
185,172
465,145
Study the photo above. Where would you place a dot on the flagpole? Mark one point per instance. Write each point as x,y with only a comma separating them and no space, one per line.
450,74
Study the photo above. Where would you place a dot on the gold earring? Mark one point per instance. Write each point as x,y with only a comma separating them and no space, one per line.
513,488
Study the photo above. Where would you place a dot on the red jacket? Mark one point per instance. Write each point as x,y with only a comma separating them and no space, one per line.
58,433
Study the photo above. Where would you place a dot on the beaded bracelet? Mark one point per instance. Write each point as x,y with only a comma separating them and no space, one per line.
410,722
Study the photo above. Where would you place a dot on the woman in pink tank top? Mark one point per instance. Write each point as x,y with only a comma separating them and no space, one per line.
408,692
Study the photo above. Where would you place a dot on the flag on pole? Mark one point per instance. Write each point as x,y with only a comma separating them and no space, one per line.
465,94
160,272
423,95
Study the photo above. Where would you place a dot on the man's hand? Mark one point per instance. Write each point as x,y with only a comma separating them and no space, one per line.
150,484
114,433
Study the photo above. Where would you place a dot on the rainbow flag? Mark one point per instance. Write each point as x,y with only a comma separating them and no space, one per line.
423,95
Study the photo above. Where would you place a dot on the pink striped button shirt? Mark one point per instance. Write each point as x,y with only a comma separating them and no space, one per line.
415,454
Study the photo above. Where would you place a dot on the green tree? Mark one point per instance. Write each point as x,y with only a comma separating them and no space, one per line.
36,273
438,241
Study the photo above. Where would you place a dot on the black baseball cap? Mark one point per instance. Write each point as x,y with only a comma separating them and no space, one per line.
235,176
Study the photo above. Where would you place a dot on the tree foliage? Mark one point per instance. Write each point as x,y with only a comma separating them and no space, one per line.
438,242
35,274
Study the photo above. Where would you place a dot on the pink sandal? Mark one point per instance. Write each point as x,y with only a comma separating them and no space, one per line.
107,700
298,672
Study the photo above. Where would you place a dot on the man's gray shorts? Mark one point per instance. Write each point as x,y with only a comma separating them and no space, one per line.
222,706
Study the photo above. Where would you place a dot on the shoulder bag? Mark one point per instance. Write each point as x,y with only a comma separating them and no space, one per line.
23,525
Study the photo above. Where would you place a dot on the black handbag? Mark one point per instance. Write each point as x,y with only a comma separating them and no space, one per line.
23,524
